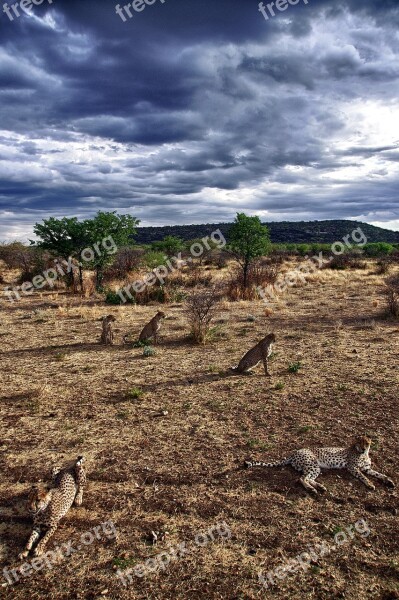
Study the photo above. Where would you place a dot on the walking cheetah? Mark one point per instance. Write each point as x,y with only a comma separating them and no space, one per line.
107,336
355,459
49,505
151,330
260,352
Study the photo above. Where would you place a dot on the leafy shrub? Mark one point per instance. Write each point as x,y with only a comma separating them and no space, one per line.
294,367
378,249
148,351
153,259
135,393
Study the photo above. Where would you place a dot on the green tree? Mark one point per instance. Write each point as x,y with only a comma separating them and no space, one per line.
65,238
107,232
170,245
249,239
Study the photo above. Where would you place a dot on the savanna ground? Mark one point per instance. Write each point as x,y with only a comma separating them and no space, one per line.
62,394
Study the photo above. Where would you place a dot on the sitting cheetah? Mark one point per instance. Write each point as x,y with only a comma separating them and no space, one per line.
107,336
151,330
310,462
260,352
49,505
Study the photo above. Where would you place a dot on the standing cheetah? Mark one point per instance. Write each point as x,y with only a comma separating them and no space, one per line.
310,462
48,506
260,352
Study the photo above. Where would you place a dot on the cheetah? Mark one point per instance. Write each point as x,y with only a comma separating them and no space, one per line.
355,459
107,336
260,352
49,505
151,330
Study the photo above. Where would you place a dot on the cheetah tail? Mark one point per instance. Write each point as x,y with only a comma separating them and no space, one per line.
277,463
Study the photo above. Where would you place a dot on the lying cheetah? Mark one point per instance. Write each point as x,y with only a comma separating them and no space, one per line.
151,330
107,336
310,462
260,352
49,505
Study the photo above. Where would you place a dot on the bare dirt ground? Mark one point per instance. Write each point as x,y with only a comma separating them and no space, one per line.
62,394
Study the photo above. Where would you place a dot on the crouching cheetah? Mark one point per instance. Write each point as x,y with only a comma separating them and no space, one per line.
310,462
260,352
49,505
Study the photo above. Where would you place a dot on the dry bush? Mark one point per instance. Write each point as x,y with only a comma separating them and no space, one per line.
217,258
201,308
261,274
196,277
349,260
16,255
127,260
392,295
386,262
383,266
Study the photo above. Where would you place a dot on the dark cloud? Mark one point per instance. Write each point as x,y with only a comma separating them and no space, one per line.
193,109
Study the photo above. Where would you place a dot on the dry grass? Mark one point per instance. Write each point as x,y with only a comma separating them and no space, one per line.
171,458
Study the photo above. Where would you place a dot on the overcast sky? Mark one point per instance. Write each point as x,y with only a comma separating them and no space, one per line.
193,110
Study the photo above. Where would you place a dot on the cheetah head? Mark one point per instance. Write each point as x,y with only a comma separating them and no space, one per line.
38,499
362,444
108,318
80,461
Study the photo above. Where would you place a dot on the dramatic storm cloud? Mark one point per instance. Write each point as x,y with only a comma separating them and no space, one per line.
194,109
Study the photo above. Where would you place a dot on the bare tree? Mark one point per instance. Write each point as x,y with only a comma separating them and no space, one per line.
201,308
392,294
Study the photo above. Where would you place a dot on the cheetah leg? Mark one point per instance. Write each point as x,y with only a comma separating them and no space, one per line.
308,484
380,476
308,480
359,475
34,536
265,365
79,497
38,551
80,481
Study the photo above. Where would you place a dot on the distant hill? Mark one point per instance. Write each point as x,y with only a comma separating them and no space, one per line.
308,232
